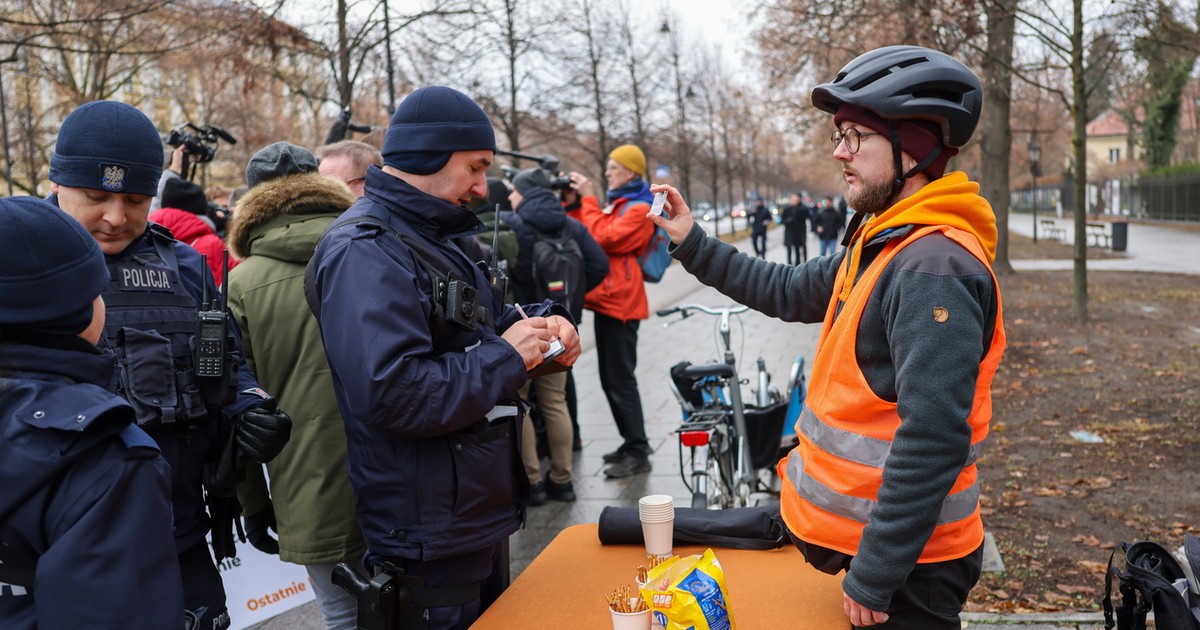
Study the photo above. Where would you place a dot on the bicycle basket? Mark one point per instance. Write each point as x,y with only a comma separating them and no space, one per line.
764,427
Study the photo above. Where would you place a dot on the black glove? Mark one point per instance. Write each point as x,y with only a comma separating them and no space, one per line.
260,433
256,530
223,514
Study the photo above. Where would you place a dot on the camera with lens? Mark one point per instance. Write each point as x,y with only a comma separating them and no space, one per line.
200,142
560,182
548,163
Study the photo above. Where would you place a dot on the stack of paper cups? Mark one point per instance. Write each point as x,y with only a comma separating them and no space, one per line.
657,513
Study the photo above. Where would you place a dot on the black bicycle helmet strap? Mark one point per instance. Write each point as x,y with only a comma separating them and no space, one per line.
852,229
898,182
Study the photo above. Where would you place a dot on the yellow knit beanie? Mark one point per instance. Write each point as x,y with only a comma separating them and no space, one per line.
631,157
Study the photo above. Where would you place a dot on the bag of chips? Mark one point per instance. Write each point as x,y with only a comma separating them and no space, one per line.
689,592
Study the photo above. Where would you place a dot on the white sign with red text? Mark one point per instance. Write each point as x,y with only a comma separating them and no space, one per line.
259,586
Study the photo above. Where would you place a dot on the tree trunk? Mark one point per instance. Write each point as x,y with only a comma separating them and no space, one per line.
513,49
345,89
1079,144
995,141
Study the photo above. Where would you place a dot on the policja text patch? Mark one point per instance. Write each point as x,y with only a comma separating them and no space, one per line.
133,277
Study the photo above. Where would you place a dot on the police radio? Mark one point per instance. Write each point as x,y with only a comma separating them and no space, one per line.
497,274
213,363
212,326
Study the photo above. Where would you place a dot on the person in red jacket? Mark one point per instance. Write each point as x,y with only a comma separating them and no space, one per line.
619,302
184,211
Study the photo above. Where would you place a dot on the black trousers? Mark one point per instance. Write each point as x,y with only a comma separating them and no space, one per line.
616,354
799,252
203,590
487,567
930,599
759,240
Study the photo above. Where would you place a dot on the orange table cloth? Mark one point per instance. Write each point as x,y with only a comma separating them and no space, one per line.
564,587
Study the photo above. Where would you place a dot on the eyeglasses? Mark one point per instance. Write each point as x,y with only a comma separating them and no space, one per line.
852,136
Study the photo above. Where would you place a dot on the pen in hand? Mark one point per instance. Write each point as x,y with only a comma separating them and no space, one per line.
556,346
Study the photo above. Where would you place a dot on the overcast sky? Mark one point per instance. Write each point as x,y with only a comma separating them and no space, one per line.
719,21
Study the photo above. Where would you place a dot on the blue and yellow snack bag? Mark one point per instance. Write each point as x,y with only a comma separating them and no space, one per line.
689,593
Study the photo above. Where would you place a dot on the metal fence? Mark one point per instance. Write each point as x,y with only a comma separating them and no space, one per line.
1167,198
1171,198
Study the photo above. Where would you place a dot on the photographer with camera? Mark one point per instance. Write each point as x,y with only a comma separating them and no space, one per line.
557,260
426,364
179,359
191,150
619,303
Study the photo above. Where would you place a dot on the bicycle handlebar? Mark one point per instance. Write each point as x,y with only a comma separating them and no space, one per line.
686,309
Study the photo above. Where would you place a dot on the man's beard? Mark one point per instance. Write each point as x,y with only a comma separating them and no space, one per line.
872,197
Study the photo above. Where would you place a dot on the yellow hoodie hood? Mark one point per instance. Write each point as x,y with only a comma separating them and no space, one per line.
952,200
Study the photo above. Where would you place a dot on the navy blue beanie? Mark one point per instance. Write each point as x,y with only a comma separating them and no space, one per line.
430,125
111,146
53,268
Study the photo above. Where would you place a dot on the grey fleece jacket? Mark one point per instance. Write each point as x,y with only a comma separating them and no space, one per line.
929,368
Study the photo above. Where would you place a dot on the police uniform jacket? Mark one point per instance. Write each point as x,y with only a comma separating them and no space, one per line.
86,496
147,294
433,478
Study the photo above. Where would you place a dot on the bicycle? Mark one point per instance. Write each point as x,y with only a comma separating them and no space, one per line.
730,447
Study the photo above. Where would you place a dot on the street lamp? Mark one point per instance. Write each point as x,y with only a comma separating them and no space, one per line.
1035,156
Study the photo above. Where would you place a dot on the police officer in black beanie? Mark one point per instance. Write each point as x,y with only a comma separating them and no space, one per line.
85,515
427,380
104,172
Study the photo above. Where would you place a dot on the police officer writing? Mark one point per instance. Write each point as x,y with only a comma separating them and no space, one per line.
883,483
427,362
205,412
85,515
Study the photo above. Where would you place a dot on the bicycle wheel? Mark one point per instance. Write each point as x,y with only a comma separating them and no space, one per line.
721,469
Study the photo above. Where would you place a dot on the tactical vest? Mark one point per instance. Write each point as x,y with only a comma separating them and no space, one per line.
456,322
832,477
151,324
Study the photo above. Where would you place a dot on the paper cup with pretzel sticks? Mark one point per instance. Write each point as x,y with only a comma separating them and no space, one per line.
629,612
644,569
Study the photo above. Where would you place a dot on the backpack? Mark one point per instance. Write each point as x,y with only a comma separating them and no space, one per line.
1154,580
655,259
558,270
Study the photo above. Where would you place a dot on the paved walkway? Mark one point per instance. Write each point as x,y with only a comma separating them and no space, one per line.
1150,249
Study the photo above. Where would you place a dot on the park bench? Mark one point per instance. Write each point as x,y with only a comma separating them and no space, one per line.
1050,230
1098,233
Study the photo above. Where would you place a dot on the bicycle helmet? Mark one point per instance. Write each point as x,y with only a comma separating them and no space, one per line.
909,82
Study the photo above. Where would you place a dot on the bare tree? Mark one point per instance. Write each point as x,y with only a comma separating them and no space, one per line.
74,51
638,45
588,63
995,142
682,91
1064,41
512,90
97,49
